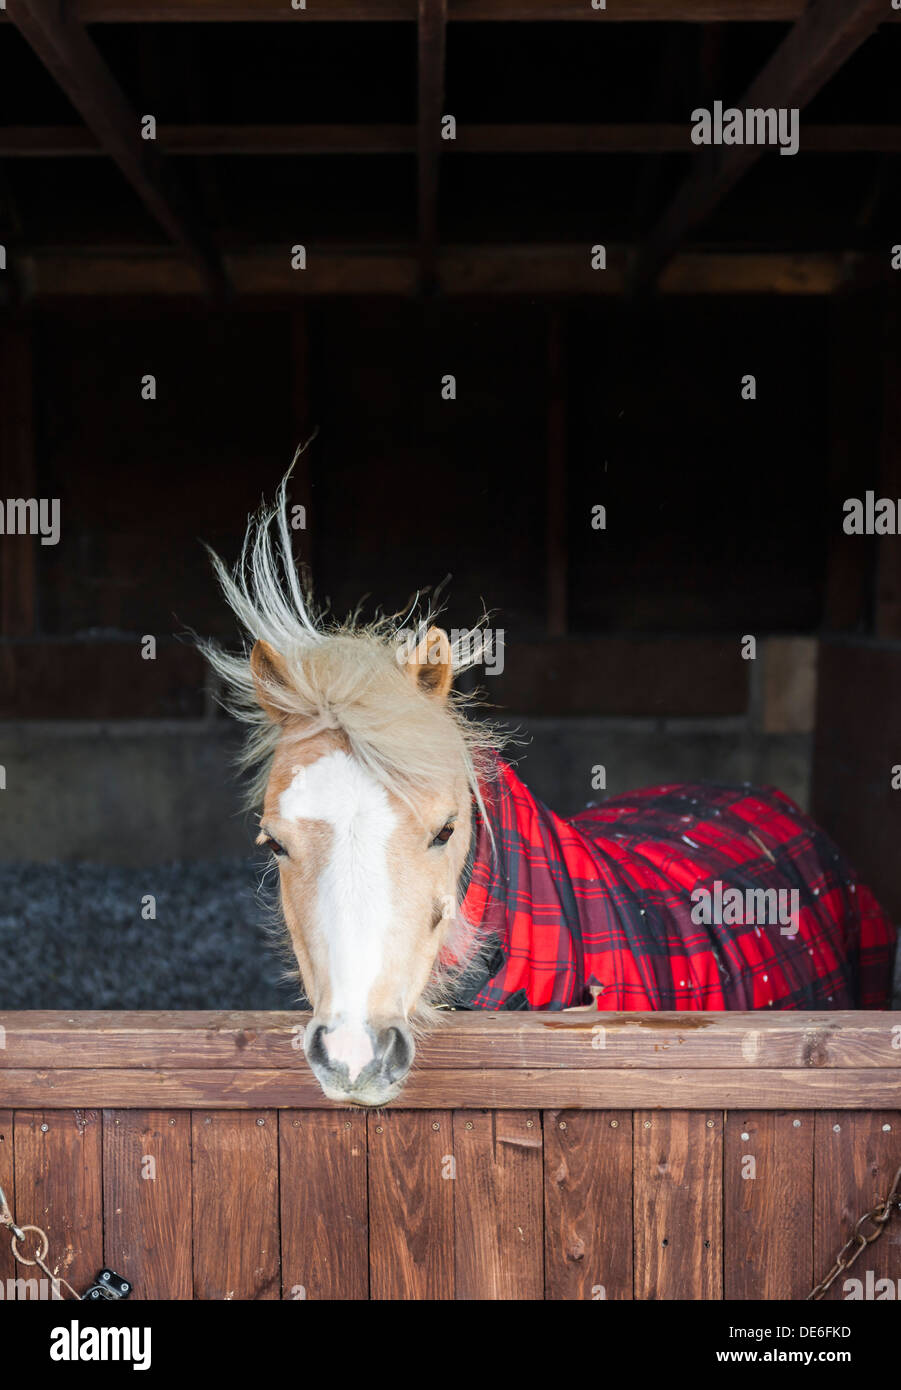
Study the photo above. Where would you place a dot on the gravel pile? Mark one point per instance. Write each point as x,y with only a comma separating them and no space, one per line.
72,937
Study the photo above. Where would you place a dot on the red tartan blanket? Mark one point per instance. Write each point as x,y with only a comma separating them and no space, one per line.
677,897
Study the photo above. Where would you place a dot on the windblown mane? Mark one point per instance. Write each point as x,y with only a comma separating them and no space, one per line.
344,675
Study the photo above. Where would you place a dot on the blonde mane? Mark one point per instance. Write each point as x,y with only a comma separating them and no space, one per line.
345,675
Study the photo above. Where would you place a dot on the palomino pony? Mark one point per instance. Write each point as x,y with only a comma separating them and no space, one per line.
416,870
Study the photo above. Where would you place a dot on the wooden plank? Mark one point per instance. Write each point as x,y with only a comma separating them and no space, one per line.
174,1040
18,554
151,1038
8,1183
650,137
70,56
678,1204
887,607
855,1160
65,272
510,1089
858,729
620,676
411,1205
317,139
432,18
805,273
630,11
614,137
58,1157
301,439
768,1204
236,1232
229,11
658,677
556,479
823,38
77,142
498,1205
854,406
546,269
789,685
147,1200
98,680
324,1204
588,1204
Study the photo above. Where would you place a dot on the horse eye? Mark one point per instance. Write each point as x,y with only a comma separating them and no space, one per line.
444,834
274,847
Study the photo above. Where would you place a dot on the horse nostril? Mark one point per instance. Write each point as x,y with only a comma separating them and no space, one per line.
395,1052
315,1047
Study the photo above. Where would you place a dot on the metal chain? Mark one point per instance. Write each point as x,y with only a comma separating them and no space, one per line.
879,1215
43,1244
6,1216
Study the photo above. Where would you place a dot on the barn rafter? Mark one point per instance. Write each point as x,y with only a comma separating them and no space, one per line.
503,269
819,43
306,11
617,137
824,35
69,54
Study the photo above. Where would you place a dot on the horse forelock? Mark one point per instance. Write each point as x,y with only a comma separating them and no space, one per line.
345,675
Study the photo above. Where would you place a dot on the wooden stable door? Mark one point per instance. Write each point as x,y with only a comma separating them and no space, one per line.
444,1204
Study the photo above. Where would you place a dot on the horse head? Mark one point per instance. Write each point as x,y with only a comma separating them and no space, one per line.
368,773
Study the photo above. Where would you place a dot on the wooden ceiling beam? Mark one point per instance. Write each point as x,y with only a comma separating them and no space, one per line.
821,41
72,59
64,272
280,11
71,141
75,141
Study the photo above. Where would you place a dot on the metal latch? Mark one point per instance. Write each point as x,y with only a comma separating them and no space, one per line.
108,1284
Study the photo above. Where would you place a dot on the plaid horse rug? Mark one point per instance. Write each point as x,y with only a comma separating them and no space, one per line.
678,897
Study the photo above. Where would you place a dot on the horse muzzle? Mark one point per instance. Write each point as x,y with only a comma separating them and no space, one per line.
359,1063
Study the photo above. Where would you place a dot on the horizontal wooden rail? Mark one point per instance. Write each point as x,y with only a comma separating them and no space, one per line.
472,1061
691,11
644,137
541,268
606,676
511,1089
174,1040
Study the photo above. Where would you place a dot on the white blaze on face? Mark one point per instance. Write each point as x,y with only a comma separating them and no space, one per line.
353,900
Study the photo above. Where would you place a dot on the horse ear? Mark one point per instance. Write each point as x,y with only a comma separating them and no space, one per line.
431,665
270,674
